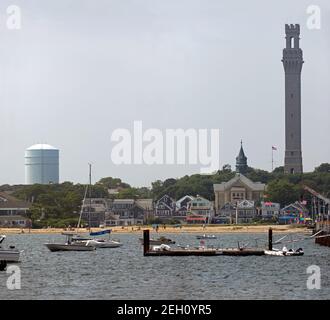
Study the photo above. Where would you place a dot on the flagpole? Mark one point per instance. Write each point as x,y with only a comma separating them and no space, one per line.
272,159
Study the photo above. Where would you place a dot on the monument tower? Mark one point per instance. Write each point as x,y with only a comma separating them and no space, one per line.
292,62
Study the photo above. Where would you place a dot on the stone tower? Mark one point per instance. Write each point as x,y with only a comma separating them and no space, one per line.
241,161
292,62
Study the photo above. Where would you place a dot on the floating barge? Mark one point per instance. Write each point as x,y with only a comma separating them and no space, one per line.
149,251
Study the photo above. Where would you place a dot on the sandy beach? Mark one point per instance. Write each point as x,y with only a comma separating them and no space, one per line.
170,229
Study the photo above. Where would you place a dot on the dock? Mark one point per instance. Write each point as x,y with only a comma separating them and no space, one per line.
324,237
149,251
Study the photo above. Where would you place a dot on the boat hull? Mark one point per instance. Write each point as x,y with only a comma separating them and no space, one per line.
281,253
53,247
10,255
158,242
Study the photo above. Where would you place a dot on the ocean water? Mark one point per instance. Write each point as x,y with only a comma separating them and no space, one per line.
124,273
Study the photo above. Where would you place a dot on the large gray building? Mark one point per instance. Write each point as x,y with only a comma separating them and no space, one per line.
292,62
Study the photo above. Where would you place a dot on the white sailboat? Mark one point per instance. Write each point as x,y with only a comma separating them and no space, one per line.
69,245
94,242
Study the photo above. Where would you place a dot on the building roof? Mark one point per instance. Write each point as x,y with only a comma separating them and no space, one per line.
41,146
296,205
254,186
178,203
245,204
9,202
123,201
13,218
199,198
241,156
145,204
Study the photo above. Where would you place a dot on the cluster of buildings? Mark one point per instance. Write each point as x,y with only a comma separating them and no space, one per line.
237,201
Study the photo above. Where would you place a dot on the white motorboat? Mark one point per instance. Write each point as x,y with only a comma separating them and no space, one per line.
206,236
284,252
9,255
159,241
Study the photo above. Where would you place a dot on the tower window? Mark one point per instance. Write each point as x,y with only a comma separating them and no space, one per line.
292,170
291,115
292,42
291,95
292,153
291,135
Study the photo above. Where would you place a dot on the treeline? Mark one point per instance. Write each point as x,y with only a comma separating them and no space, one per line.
60,204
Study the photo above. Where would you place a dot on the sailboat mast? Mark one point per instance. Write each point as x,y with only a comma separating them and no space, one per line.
90,195
82,207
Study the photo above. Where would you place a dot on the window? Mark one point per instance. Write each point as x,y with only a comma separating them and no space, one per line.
292,42
292,153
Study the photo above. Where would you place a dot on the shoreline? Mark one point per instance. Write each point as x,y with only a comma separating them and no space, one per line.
168,229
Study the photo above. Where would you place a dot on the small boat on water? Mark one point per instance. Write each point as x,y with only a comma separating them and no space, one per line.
206,236
285,252
159,241
97,243
69,245
9,255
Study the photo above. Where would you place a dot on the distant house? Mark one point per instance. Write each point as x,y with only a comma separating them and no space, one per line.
15,222
165,208
13,212
148,206
200,211
182,207
126,212
270,210
226,214
293,213
246,211
93,211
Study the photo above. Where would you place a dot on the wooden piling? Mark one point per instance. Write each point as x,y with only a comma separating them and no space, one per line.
270,239
146,242
3,265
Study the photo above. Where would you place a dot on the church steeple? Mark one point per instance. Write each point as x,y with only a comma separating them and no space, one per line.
241,161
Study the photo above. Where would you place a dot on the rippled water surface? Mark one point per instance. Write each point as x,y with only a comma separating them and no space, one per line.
123,273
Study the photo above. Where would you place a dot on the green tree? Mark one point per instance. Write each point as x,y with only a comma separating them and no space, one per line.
324,167
283,192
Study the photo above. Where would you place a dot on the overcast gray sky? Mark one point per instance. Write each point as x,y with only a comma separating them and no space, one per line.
79,69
